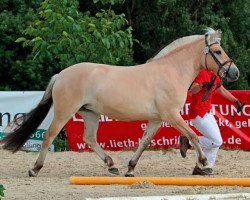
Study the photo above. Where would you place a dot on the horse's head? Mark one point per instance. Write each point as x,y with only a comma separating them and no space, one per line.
215,58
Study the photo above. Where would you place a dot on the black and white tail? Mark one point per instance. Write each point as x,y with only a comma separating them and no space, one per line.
16,139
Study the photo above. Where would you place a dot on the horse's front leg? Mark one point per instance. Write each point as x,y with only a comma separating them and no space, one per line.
177,122
147,136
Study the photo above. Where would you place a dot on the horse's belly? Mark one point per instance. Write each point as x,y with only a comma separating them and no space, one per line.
126,112
132,116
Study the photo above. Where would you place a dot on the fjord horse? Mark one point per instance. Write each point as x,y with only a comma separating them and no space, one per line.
154,91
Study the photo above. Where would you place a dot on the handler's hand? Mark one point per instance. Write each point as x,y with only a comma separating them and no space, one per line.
207,85
240,105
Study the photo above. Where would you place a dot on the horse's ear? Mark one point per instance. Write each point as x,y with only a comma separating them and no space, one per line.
218,36
219,33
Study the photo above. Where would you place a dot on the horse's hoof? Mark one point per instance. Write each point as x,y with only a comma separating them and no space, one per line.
32,173
129,175
114,170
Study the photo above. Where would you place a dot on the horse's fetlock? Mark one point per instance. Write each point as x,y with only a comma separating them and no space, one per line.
38,166
132,163
203,160
32,173
108,160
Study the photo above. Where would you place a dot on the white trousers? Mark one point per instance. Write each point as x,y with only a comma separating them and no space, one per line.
211,140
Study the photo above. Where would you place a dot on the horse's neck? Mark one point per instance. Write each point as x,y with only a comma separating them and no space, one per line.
187,61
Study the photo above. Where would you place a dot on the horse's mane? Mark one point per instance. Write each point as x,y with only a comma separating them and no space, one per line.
174,45
184,41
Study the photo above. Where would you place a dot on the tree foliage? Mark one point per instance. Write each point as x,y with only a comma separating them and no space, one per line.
16,63
57,34
63,36
60,36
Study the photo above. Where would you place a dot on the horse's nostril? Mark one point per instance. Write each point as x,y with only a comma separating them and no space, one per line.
237,74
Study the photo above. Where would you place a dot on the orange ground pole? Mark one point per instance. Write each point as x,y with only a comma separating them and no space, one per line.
181,181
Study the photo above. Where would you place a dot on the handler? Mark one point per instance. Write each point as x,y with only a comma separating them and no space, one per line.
203,87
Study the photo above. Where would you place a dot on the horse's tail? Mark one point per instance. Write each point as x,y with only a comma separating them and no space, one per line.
16,139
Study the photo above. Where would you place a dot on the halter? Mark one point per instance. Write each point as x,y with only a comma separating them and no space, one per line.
220,65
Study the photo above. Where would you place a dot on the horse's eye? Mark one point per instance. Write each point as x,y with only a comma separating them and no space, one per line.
218,52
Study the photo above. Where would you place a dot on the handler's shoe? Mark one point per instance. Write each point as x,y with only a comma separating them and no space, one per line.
203,172
184,146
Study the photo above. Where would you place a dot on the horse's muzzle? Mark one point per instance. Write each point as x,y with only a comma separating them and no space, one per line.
232,73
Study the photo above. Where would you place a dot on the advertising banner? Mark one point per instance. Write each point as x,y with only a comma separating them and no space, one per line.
118,135
14,106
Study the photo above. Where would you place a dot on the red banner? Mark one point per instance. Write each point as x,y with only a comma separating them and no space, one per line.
118,135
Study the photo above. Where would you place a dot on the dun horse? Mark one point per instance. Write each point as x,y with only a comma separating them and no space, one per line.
154,91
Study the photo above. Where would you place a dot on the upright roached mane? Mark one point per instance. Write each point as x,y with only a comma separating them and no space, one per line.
154,91
174,45
184,41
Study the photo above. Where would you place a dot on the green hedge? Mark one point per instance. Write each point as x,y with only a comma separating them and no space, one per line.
1,191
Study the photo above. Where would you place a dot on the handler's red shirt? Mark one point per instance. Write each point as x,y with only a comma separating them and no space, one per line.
197,107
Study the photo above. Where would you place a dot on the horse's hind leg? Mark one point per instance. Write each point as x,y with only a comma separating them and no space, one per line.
147,136
91,122
49,136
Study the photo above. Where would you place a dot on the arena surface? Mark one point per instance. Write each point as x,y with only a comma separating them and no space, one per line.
53,180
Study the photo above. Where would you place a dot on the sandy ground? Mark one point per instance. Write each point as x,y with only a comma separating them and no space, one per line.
53,180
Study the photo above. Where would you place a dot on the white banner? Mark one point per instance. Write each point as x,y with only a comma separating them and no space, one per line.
17,104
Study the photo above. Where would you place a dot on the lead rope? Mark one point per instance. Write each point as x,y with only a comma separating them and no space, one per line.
208,91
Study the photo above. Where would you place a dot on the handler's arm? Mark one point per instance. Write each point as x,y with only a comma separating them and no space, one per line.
225,93
195,88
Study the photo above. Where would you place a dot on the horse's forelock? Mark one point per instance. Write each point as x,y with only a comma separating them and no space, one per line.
213,35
